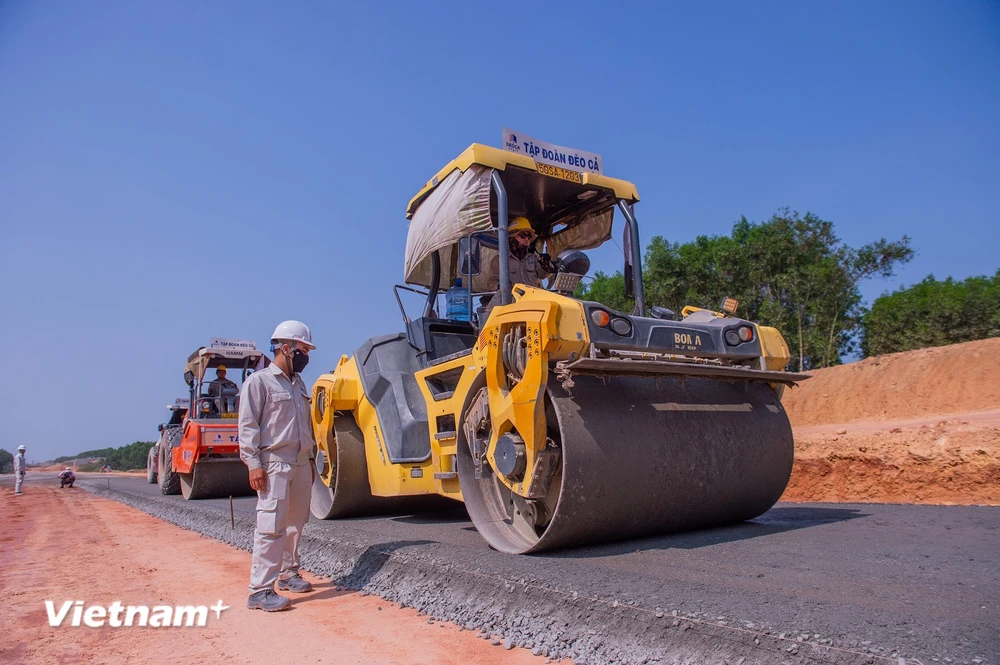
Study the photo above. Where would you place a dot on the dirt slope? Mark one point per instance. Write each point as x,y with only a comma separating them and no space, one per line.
960,378
916,427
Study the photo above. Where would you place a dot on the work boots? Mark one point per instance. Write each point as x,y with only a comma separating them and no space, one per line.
295,584
268,601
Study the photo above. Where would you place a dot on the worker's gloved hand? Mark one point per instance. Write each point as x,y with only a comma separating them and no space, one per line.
258,480
546,262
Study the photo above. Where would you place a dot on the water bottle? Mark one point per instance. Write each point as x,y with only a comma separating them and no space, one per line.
457,300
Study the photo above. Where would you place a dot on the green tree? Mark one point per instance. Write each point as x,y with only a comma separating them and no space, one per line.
6,462
791,272
607,289
132,456
933,313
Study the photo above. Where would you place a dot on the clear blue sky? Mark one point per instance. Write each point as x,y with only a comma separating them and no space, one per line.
174,171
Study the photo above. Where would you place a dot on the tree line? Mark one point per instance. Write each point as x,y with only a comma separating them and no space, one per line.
124,458
933,313
792,272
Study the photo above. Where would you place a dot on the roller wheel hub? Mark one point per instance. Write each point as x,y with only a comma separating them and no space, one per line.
510,456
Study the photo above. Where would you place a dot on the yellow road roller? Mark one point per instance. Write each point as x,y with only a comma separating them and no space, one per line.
558,422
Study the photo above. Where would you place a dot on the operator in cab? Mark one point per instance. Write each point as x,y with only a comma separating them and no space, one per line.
223,390
217,386
527,266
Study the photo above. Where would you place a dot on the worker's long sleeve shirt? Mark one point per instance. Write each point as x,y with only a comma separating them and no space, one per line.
275,421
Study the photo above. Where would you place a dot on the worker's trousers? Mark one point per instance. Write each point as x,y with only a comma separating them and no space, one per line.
282,511
18,479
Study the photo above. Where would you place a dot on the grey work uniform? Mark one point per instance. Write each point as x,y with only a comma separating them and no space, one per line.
216,387
223,389
276,435
19,467
525,271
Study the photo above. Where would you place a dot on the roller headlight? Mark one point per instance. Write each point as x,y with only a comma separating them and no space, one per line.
621,327
740,335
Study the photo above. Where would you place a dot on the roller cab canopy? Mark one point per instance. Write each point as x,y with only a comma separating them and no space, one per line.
233,354
567,209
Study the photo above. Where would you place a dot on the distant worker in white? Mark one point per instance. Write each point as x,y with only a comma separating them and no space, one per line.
276,444
19,467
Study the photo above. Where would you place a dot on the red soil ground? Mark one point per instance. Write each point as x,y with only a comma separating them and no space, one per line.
68,544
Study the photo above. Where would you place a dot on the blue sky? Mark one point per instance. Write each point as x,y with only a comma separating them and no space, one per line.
175,171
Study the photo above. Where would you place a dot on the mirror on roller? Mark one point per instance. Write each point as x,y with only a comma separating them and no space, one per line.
573,261
571,266
658,312
469,253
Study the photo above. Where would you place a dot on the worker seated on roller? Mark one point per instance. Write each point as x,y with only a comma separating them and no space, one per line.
526,266
220,388
67,478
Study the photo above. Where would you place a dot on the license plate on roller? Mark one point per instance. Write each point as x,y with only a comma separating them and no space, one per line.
558,172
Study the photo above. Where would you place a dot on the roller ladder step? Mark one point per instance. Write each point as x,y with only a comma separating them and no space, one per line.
440,397
446,475
444,436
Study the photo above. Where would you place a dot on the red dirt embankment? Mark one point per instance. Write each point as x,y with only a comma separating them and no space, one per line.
915,427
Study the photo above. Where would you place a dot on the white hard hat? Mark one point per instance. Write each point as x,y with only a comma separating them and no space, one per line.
295,331
20,447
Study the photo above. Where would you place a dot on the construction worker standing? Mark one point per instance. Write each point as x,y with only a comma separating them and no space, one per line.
19,467
276,444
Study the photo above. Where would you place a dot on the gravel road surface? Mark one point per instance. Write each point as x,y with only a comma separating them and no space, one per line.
830,583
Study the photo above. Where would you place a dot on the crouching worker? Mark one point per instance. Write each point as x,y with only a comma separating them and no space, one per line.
276,444
66,478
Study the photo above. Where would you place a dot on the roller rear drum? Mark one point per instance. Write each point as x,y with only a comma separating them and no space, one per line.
215,479
351,494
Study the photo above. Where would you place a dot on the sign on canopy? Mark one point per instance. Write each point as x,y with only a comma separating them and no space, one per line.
224,343
557,155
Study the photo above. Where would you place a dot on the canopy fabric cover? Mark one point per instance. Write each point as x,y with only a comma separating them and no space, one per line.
458,206
459,201
593,231
502,160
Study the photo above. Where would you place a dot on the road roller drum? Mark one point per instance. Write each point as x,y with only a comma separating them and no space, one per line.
641,456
